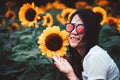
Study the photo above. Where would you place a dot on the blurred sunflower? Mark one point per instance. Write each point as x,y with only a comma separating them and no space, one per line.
48,6
29,14
111,20
80,4
118,23
13,26
103,3
10,14
53,41
102,12
59,6
65,15
89,7
47,20
61,19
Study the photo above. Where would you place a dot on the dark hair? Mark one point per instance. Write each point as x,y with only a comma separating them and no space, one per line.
92,23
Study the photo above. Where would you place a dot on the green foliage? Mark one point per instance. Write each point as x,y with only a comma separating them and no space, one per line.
110,41
26,59
109,36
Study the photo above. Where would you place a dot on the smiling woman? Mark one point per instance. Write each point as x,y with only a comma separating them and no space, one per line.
86,55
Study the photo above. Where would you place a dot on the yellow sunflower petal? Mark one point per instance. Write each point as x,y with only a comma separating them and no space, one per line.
64,34
50,54
60,53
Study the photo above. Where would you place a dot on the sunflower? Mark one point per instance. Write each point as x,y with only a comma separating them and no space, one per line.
47,20
103,3
10,14
29,14
13,26
80,4
48,6
88,7
111,20
118,23
59,6
102,12
53,41
61,19
65,15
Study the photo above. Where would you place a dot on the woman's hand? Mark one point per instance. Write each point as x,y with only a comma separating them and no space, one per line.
64,66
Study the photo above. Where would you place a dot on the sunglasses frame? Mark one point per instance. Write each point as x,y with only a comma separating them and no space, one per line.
75,28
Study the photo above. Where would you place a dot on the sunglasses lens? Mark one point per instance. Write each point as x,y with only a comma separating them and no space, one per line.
69,27
80,29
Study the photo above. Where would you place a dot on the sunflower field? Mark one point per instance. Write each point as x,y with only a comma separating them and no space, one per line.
28,31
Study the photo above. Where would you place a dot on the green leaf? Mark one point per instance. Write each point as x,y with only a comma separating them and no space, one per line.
24,55
19,47
109,36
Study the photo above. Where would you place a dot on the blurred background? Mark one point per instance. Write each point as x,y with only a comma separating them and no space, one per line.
23,21
114,4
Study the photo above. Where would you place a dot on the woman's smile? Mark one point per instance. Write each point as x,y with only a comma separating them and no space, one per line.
74,38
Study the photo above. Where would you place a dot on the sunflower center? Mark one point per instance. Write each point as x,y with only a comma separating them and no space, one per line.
48,20
66,15
10,16
30,14
53,42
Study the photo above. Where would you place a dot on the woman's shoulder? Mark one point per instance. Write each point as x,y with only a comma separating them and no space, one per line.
97,53
96,50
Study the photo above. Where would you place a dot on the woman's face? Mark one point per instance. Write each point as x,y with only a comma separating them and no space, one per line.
74,38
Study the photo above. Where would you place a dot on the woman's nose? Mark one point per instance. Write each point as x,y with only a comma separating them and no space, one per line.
74,31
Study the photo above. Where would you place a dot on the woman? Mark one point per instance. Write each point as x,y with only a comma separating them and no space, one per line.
87,61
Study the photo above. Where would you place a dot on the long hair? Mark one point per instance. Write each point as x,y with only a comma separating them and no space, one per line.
76,61
92,27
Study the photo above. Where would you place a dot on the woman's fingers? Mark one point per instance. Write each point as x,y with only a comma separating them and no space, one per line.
56,59
60,61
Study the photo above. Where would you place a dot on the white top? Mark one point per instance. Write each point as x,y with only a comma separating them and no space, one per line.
97,64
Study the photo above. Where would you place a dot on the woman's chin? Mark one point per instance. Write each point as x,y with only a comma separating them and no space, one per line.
73,45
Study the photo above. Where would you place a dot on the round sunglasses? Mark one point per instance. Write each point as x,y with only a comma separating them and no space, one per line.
80,28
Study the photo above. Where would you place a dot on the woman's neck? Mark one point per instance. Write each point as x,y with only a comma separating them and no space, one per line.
81,51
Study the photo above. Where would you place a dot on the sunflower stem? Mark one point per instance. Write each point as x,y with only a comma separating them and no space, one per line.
34,32
48,60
